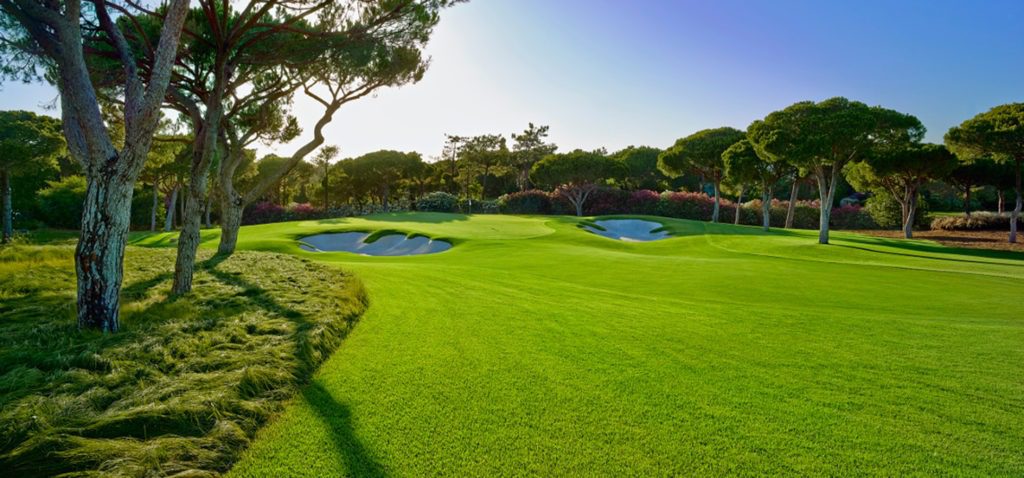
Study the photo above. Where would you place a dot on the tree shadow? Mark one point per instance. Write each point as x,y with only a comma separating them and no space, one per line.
911,245
338,418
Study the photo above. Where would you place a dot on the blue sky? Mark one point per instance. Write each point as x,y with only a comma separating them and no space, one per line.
615,73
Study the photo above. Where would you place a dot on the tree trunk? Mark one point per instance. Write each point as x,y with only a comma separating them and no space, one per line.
910,205
1001,204
172,205
188,239
100,252
967,201
714,211
826,192
1015,215
766,208
8,211
794,192
206,218
739,205
156,204
231,208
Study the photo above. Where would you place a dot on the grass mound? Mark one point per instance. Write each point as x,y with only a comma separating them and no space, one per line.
186,384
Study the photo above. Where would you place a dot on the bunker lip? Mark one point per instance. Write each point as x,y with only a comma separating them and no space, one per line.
628,230
386,245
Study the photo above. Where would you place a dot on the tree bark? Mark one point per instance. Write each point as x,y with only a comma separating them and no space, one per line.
826,192
766,208
910,205
8,211
1001,201
100,252
172,205
794,193
967,200
714,211
156,204
1015,215
739,205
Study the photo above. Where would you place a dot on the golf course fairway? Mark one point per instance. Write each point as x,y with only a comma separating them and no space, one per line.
535,348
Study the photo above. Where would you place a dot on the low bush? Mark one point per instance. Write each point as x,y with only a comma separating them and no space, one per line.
438,201
887,212
533,201
185,385
978,221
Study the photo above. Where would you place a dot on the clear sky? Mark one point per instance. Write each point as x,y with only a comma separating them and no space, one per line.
614,73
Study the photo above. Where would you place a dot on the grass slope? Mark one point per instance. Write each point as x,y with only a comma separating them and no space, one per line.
184,386
536,348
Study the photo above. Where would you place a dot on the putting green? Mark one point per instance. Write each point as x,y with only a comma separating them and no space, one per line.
533,347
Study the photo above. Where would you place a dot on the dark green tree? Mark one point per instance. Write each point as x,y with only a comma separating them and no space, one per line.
642,171
529,147
744,166
701,153
575,175
27,141
902,172
998,132
822,138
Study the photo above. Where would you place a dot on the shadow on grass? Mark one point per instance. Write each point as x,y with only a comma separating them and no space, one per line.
338,418
911,245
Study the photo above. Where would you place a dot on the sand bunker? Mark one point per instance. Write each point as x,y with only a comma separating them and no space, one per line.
389,245
629,230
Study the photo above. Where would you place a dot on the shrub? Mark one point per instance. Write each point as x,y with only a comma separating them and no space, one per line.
887,214
979,221
262,213
644,201
533,201
438,201
852,217
686,205
605,201
479,206
61,202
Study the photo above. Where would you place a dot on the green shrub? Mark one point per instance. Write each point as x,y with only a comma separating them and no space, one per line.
886,212
61,202
438,201
533,201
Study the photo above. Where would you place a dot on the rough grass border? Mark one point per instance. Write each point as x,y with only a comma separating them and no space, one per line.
184,388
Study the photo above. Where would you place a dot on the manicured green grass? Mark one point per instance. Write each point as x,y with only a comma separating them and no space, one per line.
186,383
535,348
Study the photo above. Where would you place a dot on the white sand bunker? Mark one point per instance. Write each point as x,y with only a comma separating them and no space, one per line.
629,230
389,245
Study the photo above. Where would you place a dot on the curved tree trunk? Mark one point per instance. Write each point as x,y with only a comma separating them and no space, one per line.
8,212
794,192
172,205
188,240
1001,198
231,209
714,211
910,205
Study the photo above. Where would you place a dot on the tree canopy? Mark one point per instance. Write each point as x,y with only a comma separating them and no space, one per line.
701,153
575,174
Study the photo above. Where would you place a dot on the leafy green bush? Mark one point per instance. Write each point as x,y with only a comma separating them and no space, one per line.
61,202
438,201
533,201
186,383
886,212
978,221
